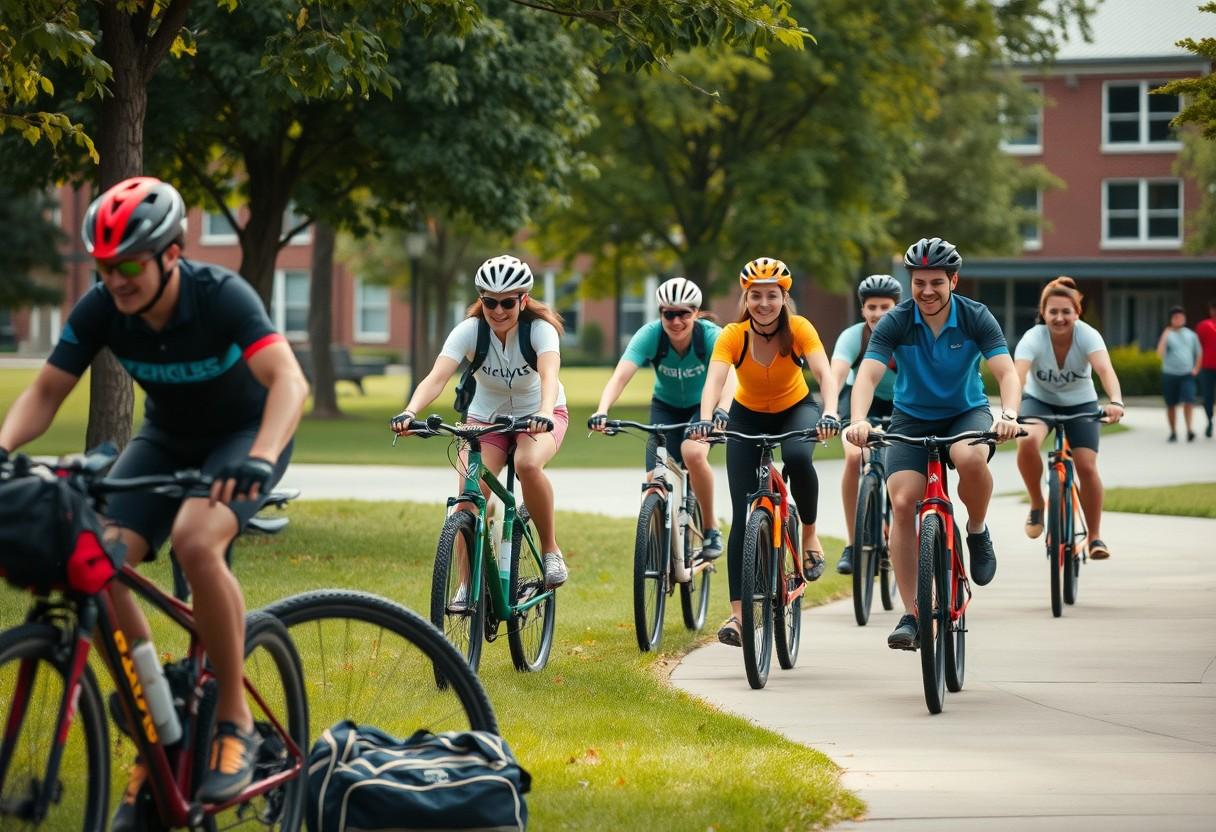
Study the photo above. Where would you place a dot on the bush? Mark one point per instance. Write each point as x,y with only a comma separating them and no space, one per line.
1139,372
591,339
392,356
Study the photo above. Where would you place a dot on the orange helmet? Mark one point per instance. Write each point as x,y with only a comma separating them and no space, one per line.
765,270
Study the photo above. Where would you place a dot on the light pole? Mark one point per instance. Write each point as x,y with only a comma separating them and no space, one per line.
415,247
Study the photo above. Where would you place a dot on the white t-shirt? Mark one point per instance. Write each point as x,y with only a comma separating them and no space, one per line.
1049,382
506,385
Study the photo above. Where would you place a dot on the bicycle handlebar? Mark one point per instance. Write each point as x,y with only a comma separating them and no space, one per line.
434,425
89,470
1056,420
770,438
613,427
977,437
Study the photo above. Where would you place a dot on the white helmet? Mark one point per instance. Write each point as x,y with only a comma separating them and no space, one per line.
678,291
504,274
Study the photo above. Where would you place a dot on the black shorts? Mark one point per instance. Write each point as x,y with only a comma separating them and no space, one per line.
879,408
662,413
910,458
154,451
1081,433
1178,389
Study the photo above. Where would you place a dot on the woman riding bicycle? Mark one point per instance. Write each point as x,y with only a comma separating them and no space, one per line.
769,345
678,345
878,295
1056,361
509,384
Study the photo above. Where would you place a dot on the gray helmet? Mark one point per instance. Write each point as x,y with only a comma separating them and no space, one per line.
933,253
879,286
504,274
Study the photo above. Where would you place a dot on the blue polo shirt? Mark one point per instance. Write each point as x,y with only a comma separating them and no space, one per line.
938,377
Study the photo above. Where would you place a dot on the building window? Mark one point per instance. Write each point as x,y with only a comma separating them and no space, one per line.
561,293
1133,119
637,308
1030,200
291,220
1143,213
1025,136
1014,304
289,303
371,312
218,230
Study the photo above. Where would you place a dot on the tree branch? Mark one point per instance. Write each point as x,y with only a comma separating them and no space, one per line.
158,47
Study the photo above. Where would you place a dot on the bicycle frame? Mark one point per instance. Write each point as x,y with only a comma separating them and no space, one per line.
772,496
936,500
169,778
1059,464
498,584
659,482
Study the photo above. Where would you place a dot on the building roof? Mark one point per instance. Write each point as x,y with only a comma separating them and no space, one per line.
1126,268
1137,30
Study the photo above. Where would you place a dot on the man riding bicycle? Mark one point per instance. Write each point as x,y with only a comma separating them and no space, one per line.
224,394
937,339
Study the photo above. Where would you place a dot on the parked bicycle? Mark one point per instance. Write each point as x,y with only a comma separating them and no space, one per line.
871,530
771,583
470,597
55,750
669,521
1065,520
943,591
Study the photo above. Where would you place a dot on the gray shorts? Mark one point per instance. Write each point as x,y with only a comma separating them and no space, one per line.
909,458
1081,433
155,451
1178,389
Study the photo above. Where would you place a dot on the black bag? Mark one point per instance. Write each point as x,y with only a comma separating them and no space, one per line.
699,345
50,537
360,778
467,387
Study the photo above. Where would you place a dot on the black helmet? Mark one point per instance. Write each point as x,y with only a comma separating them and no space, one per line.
879,286
933,253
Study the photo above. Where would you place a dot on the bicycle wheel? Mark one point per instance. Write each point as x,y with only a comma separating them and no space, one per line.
462,623
1055,542
867,547
33,676
956,635
367,657
787,623
650,573
756,585
1072,554
932,600
886,574
694,595
529,633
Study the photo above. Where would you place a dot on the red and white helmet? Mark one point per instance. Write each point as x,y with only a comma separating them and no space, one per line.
141,215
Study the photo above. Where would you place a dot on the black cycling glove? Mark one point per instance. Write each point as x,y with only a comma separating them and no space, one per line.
699,429
3,455
250,471
721,418
543,421
597,421
401,422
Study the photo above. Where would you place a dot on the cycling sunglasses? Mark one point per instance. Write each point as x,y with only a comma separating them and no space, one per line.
676,314
126,268
507,303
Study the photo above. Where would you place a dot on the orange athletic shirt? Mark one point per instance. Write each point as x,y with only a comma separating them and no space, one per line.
780,385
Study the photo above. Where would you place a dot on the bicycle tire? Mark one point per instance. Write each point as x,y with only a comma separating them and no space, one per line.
650,573
529,634
886,573
1055,544
931,631
1072,556
756,585
86,759
956,635
694,595
866,548
464,629
787,620
380,647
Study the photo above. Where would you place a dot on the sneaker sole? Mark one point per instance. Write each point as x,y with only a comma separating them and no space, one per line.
900,644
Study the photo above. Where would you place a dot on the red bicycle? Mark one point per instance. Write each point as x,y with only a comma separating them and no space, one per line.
770,583
943,591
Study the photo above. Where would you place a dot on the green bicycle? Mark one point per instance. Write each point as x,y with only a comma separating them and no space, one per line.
472,591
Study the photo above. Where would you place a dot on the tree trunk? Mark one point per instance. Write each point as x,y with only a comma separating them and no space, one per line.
618,285
268,197
320,322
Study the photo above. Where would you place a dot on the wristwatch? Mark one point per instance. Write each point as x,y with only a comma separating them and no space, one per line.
1009,415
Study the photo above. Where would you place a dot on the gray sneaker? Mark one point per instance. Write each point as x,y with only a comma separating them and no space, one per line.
903,637
555,570
711,547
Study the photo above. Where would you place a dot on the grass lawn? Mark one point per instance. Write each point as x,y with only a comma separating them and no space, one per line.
1191,500
609,744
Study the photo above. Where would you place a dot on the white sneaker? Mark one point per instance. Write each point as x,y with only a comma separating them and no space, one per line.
555,570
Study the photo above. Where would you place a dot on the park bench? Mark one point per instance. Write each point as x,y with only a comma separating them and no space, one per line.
346,368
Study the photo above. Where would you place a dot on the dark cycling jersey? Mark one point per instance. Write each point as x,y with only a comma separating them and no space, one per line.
193,371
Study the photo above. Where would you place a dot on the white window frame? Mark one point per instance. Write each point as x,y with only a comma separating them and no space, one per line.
278,305
1020,149
208,238
1037,243
1142,240
290,221
1143,145
370,337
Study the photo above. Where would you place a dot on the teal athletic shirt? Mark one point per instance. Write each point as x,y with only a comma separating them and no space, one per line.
848,348
678,378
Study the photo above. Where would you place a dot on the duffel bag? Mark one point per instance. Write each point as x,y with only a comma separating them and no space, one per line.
50,537
360,778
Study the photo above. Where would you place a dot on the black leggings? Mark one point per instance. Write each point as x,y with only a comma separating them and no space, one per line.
743,458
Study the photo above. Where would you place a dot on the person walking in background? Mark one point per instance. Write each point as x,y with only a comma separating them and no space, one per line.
1206,331
1180,361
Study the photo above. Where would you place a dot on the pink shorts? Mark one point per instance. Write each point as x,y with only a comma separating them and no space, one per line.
504,441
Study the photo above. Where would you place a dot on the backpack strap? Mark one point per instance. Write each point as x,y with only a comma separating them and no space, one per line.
663,347
482,349
467,387
699,336
743,352
526,349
